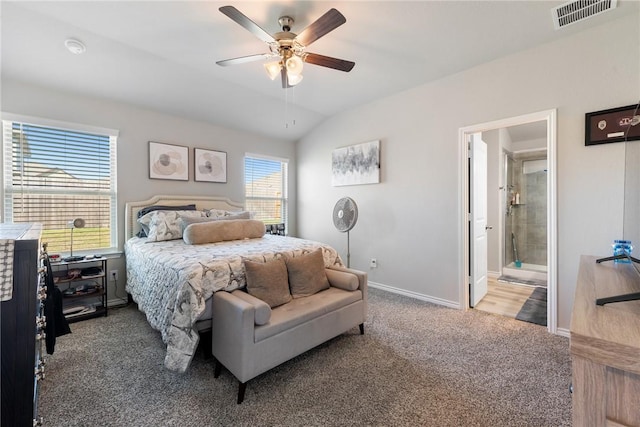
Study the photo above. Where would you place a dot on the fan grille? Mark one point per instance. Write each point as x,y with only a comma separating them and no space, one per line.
345,214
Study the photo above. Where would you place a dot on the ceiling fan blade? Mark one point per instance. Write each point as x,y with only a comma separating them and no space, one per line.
285,81
326,23
329,62
243,59
247,23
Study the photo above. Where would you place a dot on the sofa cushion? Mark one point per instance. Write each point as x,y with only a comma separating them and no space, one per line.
302,310
268,281
306,274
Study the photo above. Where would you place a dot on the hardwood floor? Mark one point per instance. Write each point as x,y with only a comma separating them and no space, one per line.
505,299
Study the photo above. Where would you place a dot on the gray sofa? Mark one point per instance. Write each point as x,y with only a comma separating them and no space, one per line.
249,337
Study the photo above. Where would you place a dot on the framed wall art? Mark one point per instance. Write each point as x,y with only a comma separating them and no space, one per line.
168,161
613,125
210,165
356,164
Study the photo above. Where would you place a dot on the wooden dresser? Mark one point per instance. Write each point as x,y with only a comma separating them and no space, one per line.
605,346
22,339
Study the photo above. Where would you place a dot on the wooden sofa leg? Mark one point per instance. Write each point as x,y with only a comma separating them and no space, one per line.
241,388
217,368
361,328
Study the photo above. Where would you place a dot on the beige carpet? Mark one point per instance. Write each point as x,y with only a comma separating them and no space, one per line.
418,364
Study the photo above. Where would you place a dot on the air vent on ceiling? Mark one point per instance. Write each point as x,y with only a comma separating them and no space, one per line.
578,10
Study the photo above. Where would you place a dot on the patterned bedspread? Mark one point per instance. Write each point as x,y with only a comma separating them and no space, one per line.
171,280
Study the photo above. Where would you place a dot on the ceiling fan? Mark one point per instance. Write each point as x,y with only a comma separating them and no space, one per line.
287,50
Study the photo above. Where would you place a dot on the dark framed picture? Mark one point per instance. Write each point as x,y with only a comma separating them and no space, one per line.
168,161
210,165
613,125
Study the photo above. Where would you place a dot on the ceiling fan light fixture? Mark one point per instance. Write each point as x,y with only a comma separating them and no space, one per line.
272,69
294,79
294,65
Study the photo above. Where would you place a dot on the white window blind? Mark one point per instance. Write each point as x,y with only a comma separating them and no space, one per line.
54,175
266,192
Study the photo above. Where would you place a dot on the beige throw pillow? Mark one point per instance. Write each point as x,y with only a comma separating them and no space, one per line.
268,281
222,231
306,274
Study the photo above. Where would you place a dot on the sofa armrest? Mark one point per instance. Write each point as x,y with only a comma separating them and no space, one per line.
232,332
262,309
362,282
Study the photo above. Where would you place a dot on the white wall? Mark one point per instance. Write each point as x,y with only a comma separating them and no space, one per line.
409,221
139,126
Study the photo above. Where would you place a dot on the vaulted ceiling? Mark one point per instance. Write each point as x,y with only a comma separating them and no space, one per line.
162,54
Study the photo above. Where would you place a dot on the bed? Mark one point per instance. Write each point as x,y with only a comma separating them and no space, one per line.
172,282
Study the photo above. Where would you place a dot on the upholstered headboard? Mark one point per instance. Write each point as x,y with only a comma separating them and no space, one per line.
131,226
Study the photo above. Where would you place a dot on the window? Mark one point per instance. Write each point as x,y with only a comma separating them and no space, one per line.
266,192
53,175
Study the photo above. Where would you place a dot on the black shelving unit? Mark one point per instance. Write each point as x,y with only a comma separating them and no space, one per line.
88,272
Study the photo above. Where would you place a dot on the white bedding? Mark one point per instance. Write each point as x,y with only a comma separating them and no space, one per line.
171,281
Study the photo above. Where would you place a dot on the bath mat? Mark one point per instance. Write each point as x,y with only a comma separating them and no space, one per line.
534,309
517,280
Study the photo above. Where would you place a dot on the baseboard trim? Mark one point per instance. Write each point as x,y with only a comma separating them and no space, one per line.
563,332
415,295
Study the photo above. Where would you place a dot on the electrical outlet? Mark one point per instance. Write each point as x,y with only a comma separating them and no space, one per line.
373,263
113,275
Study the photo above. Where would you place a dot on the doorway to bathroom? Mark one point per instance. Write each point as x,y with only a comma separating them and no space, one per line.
523,208
520,266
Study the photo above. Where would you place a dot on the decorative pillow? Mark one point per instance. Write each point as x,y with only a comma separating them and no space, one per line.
342,279
142,212
220,231
306,274
164,225
222,214
186,221
268,281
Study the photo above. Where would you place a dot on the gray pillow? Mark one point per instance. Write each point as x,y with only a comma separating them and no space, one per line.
306,274
268,282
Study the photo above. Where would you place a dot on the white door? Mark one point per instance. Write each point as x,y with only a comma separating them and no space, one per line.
478,219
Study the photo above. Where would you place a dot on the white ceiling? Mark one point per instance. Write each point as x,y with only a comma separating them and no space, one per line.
161,54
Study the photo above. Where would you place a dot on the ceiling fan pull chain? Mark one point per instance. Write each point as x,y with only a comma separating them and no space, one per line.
293,106
286,109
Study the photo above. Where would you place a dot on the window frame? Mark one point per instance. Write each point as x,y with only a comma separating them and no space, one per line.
285,184
6,214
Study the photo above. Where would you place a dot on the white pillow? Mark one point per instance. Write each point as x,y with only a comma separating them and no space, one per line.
164,225
222,214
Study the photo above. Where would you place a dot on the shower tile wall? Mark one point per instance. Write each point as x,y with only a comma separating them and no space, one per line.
529,219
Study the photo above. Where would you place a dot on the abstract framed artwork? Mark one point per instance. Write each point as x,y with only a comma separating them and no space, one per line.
613,125
168,161
356,164
210,165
